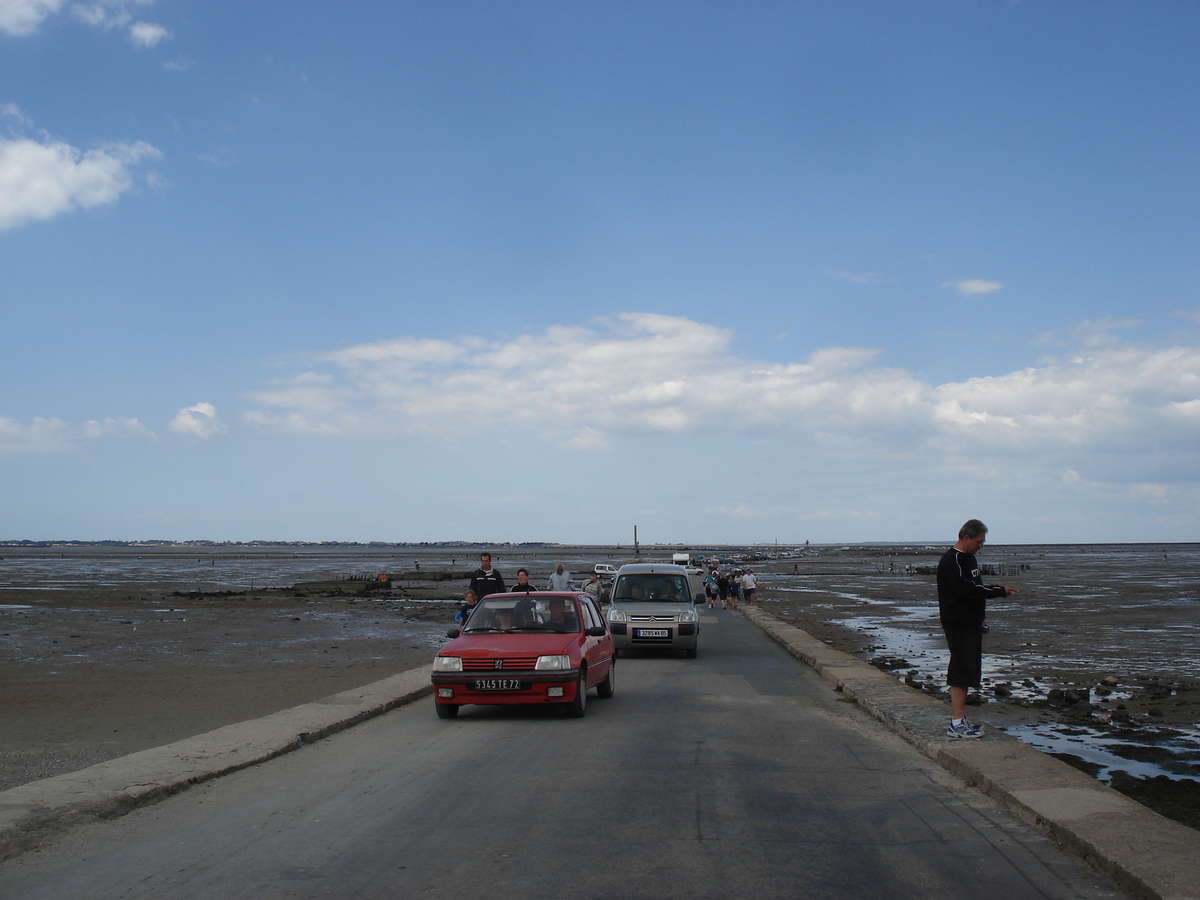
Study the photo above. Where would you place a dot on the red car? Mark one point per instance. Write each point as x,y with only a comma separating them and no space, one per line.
540,647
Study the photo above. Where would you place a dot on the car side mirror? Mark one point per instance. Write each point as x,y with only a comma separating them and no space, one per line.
453,632
700,598
597,631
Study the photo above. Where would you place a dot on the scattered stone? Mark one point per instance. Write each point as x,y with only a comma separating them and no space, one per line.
890,663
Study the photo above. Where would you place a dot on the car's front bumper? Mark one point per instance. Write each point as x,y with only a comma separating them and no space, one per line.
489,687
678,636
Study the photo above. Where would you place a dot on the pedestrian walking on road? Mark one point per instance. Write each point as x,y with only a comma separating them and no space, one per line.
962,607
486,580
522,586
723,588
560,579
749,586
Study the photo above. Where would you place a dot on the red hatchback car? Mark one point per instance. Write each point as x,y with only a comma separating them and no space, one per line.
540,647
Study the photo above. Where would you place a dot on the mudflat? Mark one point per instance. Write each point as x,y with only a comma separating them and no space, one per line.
87,676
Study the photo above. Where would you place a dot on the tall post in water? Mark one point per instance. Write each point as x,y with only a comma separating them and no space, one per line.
636,553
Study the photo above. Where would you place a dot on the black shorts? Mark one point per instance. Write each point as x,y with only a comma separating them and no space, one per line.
966,656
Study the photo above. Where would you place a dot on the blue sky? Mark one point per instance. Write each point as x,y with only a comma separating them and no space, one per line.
730,272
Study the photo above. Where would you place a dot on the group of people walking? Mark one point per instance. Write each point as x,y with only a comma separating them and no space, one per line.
729,588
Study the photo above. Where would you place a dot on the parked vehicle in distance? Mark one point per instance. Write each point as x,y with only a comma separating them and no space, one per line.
543,647
654,605
605,570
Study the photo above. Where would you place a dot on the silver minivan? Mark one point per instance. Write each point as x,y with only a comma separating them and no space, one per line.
652,605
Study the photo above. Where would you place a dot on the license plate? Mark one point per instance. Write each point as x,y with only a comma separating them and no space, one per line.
498,684
652,632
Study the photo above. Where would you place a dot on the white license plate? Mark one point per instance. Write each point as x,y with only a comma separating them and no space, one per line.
652,632
497,684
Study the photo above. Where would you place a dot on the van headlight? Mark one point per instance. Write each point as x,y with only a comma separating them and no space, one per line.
447,664
553,663
688,615
616,615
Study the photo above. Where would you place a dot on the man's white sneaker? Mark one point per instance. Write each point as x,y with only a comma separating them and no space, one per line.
965,730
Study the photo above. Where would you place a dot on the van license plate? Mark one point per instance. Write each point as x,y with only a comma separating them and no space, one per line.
652,632
498,684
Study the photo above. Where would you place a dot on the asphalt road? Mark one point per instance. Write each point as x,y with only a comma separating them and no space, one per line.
737,774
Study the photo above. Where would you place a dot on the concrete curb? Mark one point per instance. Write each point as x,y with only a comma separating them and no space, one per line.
1147,855
31,812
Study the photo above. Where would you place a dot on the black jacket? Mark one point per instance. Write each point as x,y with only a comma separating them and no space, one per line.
962,595
484,583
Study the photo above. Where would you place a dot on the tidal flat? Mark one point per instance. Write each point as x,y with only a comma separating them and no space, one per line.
106,651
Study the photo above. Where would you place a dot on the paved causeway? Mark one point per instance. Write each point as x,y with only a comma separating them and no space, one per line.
738,774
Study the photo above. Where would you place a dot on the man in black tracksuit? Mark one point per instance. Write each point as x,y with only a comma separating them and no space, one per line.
962,606
486,580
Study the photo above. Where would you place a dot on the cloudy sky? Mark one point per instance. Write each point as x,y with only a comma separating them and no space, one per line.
729,272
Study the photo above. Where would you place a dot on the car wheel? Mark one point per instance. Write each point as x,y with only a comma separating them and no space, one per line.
579,705
691,654
446,710
605,688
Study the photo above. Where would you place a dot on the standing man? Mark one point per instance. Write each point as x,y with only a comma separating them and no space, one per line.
962,606
486,580
594,588
560,579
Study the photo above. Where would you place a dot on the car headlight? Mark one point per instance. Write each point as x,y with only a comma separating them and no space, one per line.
688,615
553,663
616,615
447,664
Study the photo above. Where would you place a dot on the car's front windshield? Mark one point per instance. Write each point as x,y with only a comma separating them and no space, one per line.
501,614
651,588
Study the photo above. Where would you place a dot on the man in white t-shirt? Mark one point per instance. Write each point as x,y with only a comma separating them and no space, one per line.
749,586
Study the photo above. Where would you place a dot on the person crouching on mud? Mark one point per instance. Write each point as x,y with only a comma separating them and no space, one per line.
962,607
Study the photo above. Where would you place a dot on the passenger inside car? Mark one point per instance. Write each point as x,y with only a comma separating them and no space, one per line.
561,618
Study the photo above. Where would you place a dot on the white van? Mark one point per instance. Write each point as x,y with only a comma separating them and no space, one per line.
604,570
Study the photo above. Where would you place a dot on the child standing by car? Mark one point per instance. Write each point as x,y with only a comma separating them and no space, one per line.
467,607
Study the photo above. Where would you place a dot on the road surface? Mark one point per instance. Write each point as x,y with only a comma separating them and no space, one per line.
737,774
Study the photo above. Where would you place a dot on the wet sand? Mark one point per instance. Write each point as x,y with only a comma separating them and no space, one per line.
88,676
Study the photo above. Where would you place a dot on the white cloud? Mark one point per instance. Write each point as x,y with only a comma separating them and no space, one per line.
107,13
147,34
12,111
119,427
200,421
39,180
41,436
55,435
22,17
588,386
970,287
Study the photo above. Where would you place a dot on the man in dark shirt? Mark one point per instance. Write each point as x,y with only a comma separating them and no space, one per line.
486,580
962,607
